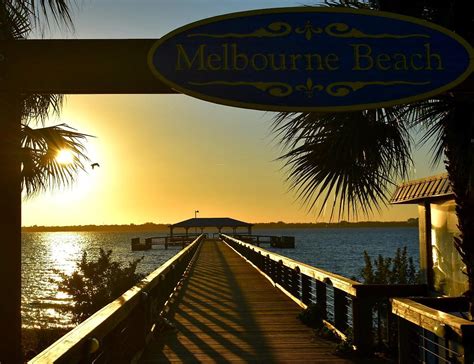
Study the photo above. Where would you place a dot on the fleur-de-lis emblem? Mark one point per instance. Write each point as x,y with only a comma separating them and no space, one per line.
309,88
308,30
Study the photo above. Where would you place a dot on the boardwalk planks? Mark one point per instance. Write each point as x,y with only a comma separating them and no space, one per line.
226,311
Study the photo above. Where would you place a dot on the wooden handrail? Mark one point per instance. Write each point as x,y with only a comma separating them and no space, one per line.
344,284
351,287
78,345
429,318
452,337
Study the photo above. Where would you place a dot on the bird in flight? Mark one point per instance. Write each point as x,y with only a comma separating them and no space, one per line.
93,165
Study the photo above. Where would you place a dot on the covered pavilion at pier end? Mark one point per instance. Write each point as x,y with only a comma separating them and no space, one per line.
211,222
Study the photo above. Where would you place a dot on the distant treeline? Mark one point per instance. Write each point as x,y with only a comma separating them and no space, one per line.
149,226
342,224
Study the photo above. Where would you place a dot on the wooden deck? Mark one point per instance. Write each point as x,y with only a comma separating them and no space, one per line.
226,311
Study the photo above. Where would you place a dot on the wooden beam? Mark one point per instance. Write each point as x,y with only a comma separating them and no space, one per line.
92,66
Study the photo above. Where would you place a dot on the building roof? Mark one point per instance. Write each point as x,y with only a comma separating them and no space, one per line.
218,222
422,189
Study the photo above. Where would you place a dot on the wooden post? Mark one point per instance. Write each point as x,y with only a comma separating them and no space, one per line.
305,289
295,280
404,341
260,261
321,297
10,226
362,324
279,272
268,266
340,309
467,340
166,242
429,248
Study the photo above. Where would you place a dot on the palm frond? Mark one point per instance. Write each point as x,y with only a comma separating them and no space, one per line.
40,146
44,10
15,20
38,107
432,117
351,158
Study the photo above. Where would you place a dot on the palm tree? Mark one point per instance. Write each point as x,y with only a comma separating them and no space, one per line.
27,158
348,162
40,168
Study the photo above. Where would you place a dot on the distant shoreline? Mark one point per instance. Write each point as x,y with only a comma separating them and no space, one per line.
268,225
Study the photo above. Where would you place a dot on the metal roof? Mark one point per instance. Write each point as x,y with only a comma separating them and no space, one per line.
422,189
211,222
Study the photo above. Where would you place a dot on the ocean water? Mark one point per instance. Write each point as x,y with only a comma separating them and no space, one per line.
45,254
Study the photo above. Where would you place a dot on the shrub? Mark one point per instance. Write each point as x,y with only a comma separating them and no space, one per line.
397,270
385,270
94,284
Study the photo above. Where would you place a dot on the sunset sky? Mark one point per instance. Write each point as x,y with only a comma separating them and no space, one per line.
163,156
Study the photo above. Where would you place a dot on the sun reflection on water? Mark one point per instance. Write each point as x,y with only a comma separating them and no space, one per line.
64,249
47,255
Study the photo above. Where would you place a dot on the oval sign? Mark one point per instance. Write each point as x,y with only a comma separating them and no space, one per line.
311,59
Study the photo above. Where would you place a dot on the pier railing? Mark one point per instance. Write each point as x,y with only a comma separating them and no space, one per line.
428,333
355,311
175,240
118,332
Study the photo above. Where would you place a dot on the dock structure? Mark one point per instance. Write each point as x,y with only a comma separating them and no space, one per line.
223,300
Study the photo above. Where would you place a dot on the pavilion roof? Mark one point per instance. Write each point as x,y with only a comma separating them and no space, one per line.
211,222
423,189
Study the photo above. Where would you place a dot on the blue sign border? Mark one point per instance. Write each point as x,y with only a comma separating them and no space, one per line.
292,10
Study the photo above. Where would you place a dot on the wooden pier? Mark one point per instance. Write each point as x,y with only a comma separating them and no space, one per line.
225,300
226,311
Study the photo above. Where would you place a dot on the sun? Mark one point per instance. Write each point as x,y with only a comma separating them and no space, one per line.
65,156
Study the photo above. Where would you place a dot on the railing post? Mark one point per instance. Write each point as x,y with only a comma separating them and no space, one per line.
145,316
362,324
467,340
321,298
340,310
295,280
404,341
268,266
305,289
260,261
279,272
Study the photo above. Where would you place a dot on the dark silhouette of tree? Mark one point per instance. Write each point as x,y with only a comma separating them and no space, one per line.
348,162
27,157
96,283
